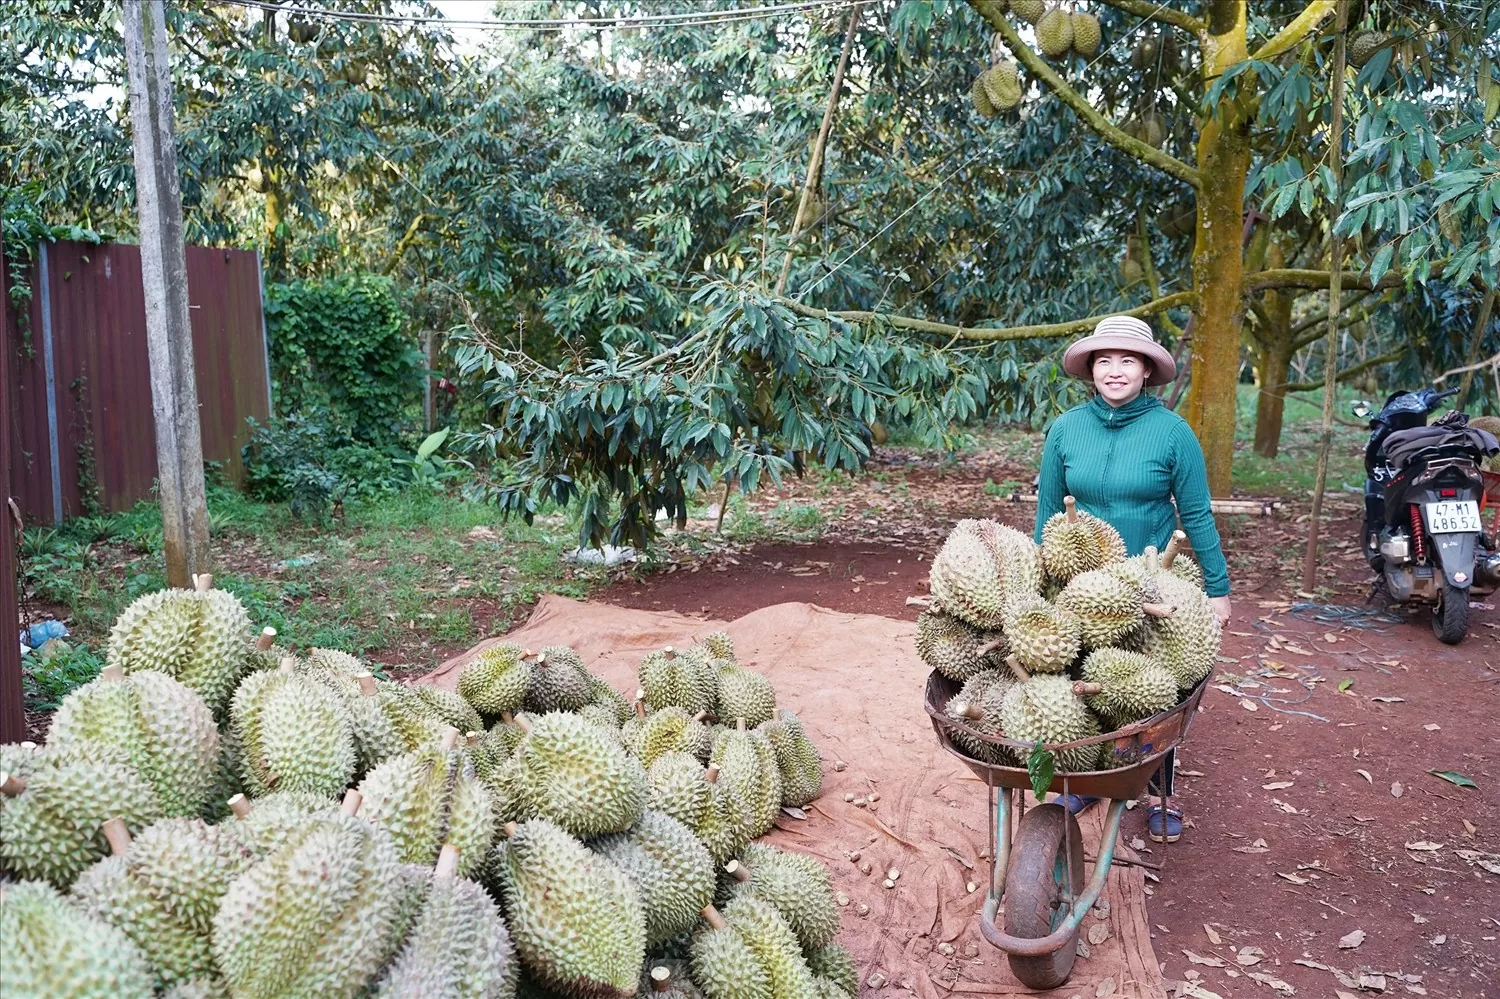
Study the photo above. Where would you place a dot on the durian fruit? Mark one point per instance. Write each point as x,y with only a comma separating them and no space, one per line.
574,774
431,797
834,963
198,988
316,916
1364,45
162,888
769,953
450,707
796,884
796,758
669,730
508,797
662,981
336,660
558,681
743,693
748,763
983,106
264,653
672,870
719,645
1131,686
1074,542
457,946
51,949
574,916
1030,11
729,820
198,636
1179,564
978,705
496,746
497,681
1002,85
1107,605
1086,34
53,809
1043,708
958,650
601,715
606,697
1045,637
415,723
264,825
1186,643
670,679
163,727
1054,33
292,734
965,578
675,787
376,735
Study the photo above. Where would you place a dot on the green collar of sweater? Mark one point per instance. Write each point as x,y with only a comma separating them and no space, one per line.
1113,417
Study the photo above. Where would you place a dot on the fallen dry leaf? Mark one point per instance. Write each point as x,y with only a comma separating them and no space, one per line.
1276,785
1272,981
1424,846
1248,956
1388,700
1351,940
1098,933
1105,988
1207,962
1213,937
1397,790
1470,828
1257,846
1248,704
1433,727
1366,775
1192,990
1294,879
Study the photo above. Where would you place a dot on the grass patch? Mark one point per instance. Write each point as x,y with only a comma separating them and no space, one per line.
1293,472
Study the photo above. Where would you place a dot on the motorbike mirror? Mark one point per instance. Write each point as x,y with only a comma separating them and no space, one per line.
1361,408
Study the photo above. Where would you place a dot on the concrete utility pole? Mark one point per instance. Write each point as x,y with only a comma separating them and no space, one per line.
169,340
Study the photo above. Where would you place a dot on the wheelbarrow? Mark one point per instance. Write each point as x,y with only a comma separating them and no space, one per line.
1037,863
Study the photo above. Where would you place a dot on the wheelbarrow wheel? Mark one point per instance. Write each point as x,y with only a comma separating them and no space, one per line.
1039,888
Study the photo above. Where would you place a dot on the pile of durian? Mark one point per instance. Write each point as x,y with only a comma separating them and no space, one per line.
1063,641
216,817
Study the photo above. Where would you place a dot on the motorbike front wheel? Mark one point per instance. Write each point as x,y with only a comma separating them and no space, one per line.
1450,619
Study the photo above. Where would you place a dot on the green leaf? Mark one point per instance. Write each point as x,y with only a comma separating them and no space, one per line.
1041,765
1454,778
432,443
1345,684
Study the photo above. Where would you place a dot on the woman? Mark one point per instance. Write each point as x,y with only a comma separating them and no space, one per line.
1126,458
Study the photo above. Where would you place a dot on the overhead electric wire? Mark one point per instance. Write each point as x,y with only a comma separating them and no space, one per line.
680,19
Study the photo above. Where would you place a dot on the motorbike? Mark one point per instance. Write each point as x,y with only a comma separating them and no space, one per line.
1422,531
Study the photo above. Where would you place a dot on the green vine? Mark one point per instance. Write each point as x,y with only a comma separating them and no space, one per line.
89,496
24,228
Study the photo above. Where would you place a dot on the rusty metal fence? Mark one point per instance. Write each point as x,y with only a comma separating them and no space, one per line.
78,396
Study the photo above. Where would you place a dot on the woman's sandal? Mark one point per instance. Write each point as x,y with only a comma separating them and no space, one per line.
1164,825
1076,803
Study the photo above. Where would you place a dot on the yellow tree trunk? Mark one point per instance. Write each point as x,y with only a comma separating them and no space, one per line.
1218,263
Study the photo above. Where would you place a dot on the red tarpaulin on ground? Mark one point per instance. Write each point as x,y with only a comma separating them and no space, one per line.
856,682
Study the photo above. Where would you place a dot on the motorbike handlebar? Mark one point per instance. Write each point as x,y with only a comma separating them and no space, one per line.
1444,395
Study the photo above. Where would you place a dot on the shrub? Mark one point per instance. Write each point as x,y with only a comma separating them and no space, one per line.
308,462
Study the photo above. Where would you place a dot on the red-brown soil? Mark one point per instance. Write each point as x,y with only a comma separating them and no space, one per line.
1290,847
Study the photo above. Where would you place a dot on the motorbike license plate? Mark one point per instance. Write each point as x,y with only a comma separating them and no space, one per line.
1457,517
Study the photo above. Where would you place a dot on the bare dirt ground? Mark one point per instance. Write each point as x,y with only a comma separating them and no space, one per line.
1324,857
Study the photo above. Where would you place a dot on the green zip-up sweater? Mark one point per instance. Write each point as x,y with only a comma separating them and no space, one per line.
1127,465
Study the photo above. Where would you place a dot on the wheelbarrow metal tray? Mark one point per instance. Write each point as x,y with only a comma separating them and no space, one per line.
1138,748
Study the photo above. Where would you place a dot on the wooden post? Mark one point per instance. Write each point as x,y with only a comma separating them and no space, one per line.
1335,289
429,338
174,395
12,708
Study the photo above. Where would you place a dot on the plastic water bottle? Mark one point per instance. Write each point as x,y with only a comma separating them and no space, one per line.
43,631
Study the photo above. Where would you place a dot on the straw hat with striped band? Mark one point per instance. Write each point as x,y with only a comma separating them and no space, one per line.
1120,333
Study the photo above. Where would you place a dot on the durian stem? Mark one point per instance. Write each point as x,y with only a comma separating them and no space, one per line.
449,739
739,724
1158,610
712,773
1153,561
28,746
736,870
203,582
523,722
1170,555
1085,689
1071,506
447,862
113,674
473,738
509,829
640,703
240,806
661,979
669,652
701,717
288,663
1017,669
989,647
11,785
117,835
713,918
970,711
352,800
267,638
367,684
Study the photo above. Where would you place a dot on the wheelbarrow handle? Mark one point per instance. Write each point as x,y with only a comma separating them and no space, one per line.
1039,946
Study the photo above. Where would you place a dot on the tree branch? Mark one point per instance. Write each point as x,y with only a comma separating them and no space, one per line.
992,12
1322,316
1344,322
1292,277
988,333
1373,362
1302,25
1158,12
